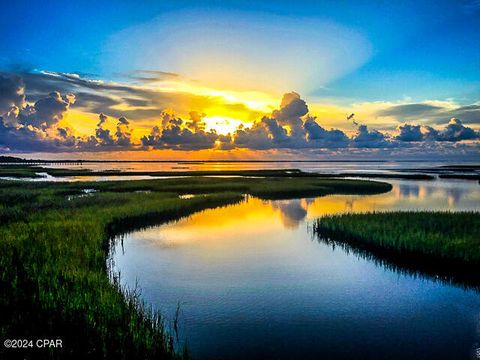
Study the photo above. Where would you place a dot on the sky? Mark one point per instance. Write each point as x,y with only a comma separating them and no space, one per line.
170,80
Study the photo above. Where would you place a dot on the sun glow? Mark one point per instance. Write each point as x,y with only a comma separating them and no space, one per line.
254,100
223,125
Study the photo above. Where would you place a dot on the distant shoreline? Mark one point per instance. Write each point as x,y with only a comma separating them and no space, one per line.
14,160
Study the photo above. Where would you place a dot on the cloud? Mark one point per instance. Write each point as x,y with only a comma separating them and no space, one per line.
289,127
196,122
365,138
48,111
147,76
103,119
123,132
410,133
257,137
319,137
105,140
39,123
292,107
135,101
177,134
456,131
410,111
32,127
432,112
12,93
292,212
36,127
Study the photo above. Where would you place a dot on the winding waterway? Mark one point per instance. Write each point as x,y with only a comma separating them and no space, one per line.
254,283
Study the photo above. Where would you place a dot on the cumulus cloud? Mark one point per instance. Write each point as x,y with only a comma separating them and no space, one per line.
102,119
289,127
12,93
33,127
177,134
366,138
196,122
123,132
454,131
410,133
322,138
102,135
104,139
36,123
48,111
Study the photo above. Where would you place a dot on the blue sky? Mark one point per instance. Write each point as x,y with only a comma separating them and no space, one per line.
420,49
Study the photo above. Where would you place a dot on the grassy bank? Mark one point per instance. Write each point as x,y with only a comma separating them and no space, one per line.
19,171
441,244
54,243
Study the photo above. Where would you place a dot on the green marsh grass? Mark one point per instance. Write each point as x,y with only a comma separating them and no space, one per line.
445,244
54,246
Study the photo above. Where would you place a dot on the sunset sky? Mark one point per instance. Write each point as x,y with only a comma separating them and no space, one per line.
240,80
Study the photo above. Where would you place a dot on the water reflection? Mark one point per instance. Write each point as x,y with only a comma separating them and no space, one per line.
318,166
292,211
254,285
415,266
407,190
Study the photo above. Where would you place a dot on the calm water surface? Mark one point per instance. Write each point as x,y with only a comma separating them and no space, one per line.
318,166
309,166
253,283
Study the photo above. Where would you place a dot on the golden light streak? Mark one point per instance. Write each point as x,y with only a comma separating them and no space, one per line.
254,100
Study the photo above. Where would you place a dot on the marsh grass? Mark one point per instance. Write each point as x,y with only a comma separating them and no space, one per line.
19,171
439,244
54,279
